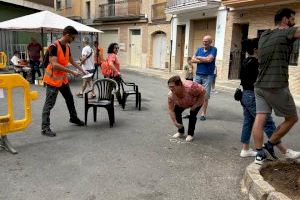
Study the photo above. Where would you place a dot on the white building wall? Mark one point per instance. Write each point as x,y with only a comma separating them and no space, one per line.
220,32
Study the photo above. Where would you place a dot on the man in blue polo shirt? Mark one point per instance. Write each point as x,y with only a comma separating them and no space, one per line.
205,59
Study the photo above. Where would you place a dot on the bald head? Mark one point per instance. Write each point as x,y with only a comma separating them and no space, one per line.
207,40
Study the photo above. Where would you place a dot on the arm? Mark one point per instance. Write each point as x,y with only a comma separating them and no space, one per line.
207,59
111,64
297,33
195,60
199,101
171,107
76,65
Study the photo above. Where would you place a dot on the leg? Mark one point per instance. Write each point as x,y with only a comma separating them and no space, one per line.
51,95
249,112
283,129
213,84
207,82
67,94
83,87
38,68
178,111
95,71
32,75
192,120
247,128
204,108
118,93
257,130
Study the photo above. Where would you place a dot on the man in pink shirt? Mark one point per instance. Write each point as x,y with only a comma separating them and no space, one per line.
184,95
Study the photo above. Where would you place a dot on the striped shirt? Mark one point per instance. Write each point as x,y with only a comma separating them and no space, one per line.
275,47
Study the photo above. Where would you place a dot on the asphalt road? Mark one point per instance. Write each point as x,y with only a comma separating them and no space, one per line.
136,159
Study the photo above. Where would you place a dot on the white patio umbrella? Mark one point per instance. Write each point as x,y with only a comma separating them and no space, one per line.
44,21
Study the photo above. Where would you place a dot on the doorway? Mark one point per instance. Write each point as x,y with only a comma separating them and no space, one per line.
238,49
135,47
180,47
159,50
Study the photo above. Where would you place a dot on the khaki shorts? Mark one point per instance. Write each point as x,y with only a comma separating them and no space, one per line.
278,99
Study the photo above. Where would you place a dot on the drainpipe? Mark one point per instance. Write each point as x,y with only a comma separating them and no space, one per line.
171,43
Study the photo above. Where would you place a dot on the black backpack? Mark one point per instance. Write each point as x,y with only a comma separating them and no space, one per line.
45,61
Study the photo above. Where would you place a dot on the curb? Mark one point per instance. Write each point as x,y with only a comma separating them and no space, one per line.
254,186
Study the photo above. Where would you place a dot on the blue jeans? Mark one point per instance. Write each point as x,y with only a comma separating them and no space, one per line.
206,82
249,107
35,67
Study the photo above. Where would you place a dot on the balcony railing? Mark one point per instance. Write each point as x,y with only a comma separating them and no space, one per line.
242,3
158,11
174,6
119,9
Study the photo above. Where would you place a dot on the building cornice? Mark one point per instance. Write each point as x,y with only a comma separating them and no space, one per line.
29,4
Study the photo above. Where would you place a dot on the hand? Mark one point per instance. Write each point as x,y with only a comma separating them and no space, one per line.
178,125
75,73
84,72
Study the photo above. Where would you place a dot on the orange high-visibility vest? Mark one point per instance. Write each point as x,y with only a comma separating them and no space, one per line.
55,77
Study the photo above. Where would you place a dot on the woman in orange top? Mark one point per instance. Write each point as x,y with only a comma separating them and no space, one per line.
113,62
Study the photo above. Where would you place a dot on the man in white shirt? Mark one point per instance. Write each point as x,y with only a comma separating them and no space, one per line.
87,62
18,64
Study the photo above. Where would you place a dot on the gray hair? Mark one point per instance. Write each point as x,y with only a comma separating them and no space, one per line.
86,40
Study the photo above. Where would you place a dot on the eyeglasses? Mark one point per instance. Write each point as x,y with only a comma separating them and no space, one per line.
72,37
117,48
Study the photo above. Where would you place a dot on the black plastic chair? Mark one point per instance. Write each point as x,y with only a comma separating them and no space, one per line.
128,89
104,98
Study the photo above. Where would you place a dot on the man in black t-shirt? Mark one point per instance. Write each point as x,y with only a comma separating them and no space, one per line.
56,79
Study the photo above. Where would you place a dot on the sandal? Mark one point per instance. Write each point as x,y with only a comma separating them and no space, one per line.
80,95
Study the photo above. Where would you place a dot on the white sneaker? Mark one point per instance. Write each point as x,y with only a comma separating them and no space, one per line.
189,138
292,154
248,153
178,135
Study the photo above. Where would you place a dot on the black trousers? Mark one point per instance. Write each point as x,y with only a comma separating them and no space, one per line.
51,95
35,68
95,71
118,93
192,119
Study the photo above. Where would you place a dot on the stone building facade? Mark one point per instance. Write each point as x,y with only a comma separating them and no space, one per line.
249,21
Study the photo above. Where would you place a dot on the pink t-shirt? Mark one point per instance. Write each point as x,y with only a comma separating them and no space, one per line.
192,93
114,59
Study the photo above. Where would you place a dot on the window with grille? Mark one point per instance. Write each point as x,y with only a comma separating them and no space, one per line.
58,5
68,3
88,9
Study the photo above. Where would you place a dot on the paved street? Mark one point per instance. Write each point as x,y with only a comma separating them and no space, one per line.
136,159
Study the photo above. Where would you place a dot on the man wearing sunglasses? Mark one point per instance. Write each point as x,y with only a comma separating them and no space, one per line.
56,79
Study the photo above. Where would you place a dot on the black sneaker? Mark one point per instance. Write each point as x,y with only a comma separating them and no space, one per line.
48,132
76,121
202,118
260,158
270,150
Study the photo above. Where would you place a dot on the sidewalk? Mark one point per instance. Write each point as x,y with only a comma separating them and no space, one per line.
225,85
